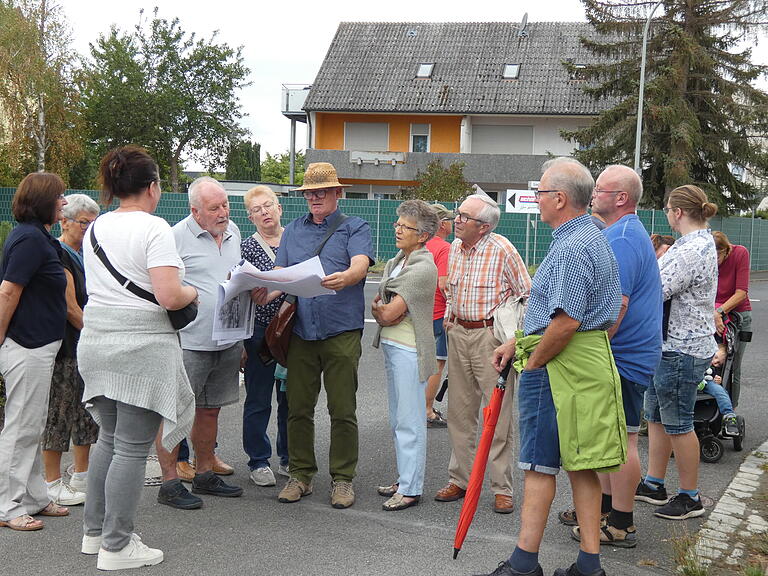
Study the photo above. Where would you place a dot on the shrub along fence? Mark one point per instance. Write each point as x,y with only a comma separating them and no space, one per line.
530,236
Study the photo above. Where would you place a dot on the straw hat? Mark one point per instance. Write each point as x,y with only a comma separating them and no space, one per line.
442,212
320,175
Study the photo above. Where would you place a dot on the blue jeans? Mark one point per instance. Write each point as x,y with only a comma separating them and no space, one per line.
539,437
671,397
407,417
257,409
724,403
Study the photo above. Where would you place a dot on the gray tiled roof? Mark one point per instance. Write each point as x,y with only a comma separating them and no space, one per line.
371,67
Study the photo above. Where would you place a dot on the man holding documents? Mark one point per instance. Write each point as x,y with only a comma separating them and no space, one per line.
326,335
209,245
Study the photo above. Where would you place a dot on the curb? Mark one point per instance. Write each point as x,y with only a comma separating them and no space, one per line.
733,514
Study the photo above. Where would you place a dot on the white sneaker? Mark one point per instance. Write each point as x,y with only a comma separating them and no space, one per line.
263,476
135,555
91,544
63,494
284,470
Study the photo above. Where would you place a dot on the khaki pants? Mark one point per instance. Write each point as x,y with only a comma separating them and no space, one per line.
472,380
27,373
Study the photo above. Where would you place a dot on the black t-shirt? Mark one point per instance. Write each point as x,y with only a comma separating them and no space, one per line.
32,258
72,335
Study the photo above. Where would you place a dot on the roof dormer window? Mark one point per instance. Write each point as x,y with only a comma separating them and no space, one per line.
511,71
425,70
577,72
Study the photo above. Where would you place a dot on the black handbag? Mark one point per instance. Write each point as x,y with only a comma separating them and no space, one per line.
179,318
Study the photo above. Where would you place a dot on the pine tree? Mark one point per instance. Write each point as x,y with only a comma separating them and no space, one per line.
703,118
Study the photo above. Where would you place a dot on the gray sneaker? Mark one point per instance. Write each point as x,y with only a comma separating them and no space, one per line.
263,476
284,470
342,494
294,490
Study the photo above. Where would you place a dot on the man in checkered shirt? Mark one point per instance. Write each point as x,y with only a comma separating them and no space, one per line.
484,271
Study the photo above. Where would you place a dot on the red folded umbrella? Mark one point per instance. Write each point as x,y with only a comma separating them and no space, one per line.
490,417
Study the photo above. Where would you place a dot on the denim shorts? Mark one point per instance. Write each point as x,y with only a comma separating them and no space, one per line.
671,397
632,398
441,344
539,439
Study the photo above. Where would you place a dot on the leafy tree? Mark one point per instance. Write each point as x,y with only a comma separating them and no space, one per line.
244,161
440,184
277,168
41,128
702,112
167,90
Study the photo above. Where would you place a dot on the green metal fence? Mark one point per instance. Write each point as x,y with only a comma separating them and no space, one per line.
527,232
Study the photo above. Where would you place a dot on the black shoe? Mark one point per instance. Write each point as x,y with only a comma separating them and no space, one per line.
504,569
209,483
657,496
174,494
731,426
680,507
574,571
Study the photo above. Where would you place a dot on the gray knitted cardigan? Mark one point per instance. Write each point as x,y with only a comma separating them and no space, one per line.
133,356
416,284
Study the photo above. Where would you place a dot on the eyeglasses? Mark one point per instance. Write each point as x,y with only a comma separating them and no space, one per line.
319,194
464,218
256,210
537,194
666,209
83,223
597,191
398,226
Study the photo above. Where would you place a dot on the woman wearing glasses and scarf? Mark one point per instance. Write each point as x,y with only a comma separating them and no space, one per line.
403,310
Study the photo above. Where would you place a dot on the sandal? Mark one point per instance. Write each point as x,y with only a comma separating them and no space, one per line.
438,421
54,509
388,491
399,502
23,523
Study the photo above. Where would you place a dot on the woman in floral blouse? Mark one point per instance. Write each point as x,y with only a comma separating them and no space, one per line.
264,211
689,284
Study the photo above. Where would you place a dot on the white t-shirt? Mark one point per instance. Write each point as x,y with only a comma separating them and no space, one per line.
133,242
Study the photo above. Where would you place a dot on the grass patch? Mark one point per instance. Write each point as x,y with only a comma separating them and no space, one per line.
684,554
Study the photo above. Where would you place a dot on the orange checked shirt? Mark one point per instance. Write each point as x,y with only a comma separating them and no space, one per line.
484,276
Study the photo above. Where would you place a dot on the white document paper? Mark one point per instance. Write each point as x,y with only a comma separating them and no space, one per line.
234,319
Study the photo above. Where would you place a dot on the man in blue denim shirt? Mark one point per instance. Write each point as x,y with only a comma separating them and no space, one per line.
575,290
326,336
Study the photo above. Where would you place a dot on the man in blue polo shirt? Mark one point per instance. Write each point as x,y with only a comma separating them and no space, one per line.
326,336
635,340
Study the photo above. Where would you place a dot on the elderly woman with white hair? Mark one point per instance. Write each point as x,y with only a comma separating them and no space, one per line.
67,417
403,309
260,249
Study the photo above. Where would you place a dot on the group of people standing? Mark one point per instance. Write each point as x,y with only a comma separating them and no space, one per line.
601,333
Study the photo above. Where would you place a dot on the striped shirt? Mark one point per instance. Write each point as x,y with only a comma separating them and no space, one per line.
482,277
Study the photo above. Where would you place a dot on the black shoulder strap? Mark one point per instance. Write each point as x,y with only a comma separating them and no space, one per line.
331,230
124,282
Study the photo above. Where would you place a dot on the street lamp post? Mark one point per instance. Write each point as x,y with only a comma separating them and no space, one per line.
639,128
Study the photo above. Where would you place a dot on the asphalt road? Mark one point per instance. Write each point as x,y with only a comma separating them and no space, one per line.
257,535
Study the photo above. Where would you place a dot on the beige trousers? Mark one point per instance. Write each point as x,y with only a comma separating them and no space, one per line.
472,378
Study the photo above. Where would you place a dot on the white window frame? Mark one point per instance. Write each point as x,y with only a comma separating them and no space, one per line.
425,70
511,67
428,135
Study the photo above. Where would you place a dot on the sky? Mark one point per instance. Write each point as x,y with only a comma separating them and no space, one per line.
286,43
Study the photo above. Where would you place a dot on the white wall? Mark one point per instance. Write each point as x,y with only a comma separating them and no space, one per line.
546,131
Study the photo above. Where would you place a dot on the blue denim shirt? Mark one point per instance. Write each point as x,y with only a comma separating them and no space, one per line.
579,276
331,314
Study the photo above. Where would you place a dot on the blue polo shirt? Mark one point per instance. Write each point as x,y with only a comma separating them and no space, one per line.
331,314
637,343
32,258
579,276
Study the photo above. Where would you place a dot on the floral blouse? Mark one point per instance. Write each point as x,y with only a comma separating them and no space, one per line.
689,279
255,254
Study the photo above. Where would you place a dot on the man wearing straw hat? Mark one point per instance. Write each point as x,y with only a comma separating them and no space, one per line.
326,335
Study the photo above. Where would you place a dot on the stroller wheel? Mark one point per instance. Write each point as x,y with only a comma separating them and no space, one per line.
711,449
738,441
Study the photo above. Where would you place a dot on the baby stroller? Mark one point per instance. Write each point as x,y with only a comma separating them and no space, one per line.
707,417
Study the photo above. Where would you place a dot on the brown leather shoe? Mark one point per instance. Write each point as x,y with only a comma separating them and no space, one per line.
185,471
450,493
220,468
504,504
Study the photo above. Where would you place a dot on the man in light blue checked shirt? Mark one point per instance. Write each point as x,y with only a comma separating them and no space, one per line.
575,298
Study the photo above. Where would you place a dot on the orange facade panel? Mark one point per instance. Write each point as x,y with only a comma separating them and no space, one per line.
444,131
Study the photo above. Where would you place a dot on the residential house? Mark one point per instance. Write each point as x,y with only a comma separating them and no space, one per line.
391,97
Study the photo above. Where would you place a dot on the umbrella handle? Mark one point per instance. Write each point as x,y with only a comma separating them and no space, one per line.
505,373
